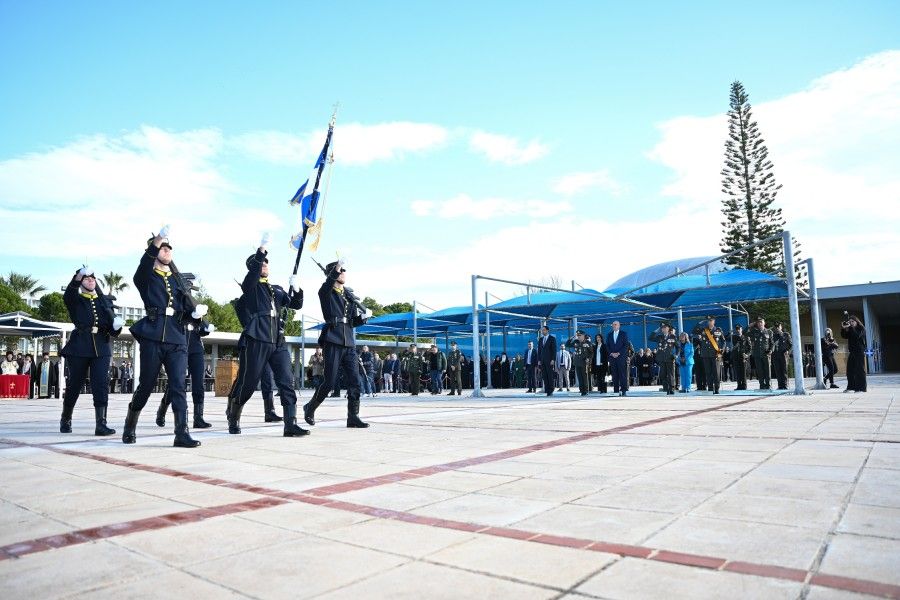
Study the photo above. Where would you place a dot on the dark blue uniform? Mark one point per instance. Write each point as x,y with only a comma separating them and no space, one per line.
162,339
264,343
196,329
338,340
88,350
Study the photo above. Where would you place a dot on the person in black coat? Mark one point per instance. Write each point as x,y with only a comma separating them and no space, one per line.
600,363
853,331
342,313
547,358
264,304
617,345
161,336
89,350
829,345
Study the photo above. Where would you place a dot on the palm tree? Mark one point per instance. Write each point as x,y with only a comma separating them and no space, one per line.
24,285
114,282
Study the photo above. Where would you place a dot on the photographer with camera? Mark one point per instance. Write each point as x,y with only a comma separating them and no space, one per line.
853,331
829,345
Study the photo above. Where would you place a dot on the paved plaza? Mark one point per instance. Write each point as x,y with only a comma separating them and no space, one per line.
738,495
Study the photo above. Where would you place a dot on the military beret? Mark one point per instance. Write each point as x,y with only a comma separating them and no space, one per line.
165,242
252,257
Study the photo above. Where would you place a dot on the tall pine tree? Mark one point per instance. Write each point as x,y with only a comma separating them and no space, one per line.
748,183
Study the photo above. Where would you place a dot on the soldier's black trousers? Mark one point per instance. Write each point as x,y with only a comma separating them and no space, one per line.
254,357
667,375
761,362
197,371
711,373
739,366
78,367
584,384
153,357
779,368
414,382
267,383
619,370
454,379
340,360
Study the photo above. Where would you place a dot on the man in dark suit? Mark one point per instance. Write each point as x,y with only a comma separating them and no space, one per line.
617,346
531,361
547,358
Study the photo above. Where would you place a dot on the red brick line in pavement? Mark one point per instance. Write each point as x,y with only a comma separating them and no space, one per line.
277,497
91,534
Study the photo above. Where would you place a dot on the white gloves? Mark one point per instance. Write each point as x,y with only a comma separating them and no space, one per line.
85,271
164,231
265,240
342,263
210,328
293,283
118,323
200,311
364,313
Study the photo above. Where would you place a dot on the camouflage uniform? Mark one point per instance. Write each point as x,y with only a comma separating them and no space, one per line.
454,371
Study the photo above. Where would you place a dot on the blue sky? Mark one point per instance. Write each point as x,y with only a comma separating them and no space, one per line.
470,135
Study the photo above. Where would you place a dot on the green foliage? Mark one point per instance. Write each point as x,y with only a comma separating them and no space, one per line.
397,307
374,307
292,327
748,183
23,285
774,311
223,316
52,308
10,300
114,283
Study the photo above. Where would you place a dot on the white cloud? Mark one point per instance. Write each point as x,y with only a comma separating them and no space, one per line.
354,143
464,206
575,183
834,148
506,149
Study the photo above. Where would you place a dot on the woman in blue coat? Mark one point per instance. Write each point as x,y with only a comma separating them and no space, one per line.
89,350
685,362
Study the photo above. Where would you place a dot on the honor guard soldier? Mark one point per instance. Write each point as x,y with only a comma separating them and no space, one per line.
161,335
740,353
342,313
666,352
781,346
761,344
89,350
582,352
267,381
712,343
413,364
454,370
264,344
197,329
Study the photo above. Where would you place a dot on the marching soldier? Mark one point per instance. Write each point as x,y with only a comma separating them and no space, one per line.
781,346
740,352
342,312
196,330
582,352
89,349
265,345
454,370
161,335
712,342
413,365
666,351
761,349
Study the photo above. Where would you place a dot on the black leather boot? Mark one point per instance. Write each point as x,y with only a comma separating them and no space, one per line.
309,409
271,415
233,413
65,420
291,429
100,417
183,437
129,435
161,411
199,423
353,420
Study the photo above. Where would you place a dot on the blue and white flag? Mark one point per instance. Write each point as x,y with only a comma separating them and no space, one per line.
307,196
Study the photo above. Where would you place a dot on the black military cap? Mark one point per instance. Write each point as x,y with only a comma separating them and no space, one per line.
165,242
760,318
580,332
710,318
331,266
252,257
666,325
738,326
452,343
778,324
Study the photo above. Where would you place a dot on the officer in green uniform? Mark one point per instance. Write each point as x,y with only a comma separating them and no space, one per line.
666,351
781,346
582,352
413,365
454,370
740,353
761,349
712,343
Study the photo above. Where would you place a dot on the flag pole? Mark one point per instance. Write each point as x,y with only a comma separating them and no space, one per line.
316,188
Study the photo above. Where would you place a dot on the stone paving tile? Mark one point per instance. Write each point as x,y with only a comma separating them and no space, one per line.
462,481
822,593
398,496
171,582
631,579
647,497
397,537
802,489
593,523
17,523
541,489
876,521
762,509
416,581
485,509
863,557
541,564
304,518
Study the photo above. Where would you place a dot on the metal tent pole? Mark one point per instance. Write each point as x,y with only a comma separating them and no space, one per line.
487,340
476,352
816,323
791,280
415,325
680,321
302,349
